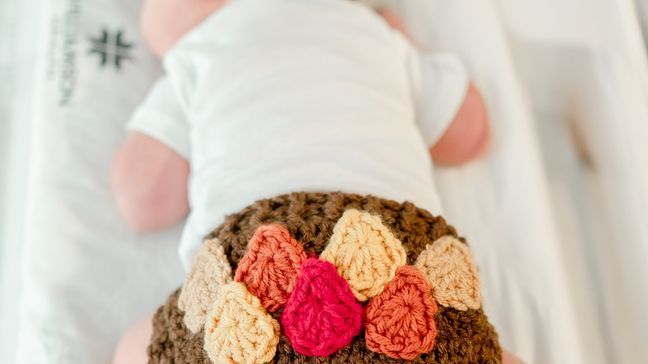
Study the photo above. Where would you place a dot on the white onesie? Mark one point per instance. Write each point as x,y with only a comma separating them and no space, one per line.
276,96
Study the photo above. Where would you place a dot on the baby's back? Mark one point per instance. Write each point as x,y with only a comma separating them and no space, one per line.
285,95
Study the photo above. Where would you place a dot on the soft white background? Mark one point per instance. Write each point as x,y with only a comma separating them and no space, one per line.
567,67
18,39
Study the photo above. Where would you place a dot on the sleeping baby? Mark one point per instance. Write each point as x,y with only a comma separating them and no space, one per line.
298,136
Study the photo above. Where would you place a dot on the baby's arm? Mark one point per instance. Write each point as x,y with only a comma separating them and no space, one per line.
149,182
468,135
150,170
451,112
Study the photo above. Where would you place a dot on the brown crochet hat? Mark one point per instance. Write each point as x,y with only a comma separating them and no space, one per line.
328,278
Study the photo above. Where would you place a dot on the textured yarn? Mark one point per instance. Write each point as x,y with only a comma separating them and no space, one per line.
451,271
365,253
239,329
270,266
462,336
461,339
322,314
400,321
210,271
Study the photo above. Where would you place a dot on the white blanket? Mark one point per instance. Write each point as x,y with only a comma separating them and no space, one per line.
16,62
585,64
502,203
87,276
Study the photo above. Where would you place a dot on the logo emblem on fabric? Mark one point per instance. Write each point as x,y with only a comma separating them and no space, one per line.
111,48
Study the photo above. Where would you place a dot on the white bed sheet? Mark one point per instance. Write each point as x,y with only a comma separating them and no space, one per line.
502,203
17,50
88,277
586,68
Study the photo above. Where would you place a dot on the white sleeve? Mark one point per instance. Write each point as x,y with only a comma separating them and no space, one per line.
160,116
440,82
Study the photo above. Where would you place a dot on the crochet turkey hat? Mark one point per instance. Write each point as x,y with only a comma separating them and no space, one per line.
328,277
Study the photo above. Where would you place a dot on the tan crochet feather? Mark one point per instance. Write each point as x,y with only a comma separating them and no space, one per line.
210,272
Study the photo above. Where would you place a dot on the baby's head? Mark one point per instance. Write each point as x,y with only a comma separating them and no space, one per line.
164,22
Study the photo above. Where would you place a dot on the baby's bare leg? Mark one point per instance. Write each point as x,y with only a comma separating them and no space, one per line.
132,347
